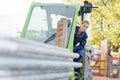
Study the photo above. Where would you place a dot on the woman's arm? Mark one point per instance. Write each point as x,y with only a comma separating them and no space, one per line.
82,44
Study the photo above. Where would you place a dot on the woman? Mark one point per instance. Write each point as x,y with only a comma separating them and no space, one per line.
80,38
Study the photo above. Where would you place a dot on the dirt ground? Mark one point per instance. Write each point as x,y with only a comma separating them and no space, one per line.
98,77
103,78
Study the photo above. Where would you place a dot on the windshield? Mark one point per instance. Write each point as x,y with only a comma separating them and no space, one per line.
43,22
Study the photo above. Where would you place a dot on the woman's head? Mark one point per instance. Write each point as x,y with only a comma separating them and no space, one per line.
84,26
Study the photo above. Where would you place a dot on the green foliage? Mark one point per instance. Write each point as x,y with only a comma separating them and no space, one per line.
105,21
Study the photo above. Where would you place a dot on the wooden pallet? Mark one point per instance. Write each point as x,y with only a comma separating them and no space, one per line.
102,60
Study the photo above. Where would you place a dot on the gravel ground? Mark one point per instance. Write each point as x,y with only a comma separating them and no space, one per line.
96,76
103,78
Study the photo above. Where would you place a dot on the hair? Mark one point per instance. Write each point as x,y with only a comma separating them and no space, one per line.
85,21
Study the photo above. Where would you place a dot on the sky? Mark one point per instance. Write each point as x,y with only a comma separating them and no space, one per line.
13,14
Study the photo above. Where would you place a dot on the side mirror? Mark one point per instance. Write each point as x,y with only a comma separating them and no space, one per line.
87,8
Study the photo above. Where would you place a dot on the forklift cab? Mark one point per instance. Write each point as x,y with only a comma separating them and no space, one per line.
42,22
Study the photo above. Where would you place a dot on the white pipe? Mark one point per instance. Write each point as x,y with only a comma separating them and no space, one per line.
5,61
17,47
34,43
40,71
39,77
23,55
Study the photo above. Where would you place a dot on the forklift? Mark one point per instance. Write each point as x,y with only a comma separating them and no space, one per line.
55,24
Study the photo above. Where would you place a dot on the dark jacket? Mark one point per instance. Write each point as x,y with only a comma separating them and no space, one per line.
81,39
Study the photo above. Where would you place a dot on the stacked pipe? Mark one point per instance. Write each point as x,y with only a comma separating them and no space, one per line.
28,60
